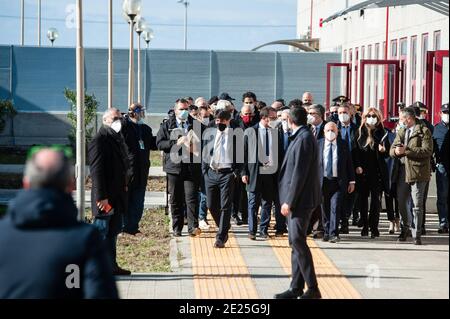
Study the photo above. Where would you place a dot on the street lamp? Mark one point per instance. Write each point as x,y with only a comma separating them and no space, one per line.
52,35
131,9
139,27
186,5
148,37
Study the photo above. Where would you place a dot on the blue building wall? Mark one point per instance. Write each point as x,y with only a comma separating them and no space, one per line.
35,78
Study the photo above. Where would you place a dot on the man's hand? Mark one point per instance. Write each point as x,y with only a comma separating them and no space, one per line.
381,148
182,140
359,170
102,204
400,150
245,179
285,210
351,188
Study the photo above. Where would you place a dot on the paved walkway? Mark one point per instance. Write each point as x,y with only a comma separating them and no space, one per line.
352,269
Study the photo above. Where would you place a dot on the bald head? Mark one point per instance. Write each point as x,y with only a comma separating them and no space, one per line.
48,169
246,110
307,98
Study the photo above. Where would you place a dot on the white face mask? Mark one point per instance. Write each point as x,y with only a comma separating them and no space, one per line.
274,124
445,118
285,125
372,121
344,118
330,136
311,119
116,126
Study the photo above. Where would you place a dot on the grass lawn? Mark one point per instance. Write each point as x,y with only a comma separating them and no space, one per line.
155,158
148,253
12,158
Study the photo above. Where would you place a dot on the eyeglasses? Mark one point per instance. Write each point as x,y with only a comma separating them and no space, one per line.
66,150
371,115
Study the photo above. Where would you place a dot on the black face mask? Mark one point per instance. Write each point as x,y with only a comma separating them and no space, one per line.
222,127
334,117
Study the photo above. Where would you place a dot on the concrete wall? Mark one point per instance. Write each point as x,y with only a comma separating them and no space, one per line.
35,78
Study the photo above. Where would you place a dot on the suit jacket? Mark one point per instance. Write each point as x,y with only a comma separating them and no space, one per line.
353,140
208,145
110,168
321,133
165,144
346,172
252,170
299,184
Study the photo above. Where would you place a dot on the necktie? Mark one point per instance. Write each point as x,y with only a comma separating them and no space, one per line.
408,132
267,143
330,162
217,152
313,129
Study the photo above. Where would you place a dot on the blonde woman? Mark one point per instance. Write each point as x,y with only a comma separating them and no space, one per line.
371,169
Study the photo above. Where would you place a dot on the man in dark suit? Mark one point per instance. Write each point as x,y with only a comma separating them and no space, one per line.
299,189
140,140
316,121
348,133
184,173
220,168
264,151
337,178
110,172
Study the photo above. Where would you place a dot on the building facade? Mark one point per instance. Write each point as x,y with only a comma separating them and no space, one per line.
411,32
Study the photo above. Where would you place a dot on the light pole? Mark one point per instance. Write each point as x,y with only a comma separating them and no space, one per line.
131,8
186,5
39,23
148,37
52,35
110,56
81,134
22,22
139,27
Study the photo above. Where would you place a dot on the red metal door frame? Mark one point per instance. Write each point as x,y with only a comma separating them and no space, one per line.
349,80
439,61
397,76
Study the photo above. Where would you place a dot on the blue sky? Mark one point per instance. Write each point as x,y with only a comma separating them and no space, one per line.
214,24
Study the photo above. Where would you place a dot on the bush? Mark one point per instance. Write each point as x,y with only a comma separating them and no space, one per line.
7,110
90,111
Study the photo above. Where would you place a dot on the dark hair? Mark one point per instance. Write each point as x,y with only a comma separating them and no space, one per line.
410,111
193,107
213,100
265,111
299,115
249,95
223,115
284,108
295,103
260,105
415,108
182,101
319,108
281,100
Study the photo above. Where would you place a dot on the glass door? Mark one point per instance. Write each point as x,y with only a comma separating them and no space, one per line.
339,79
386,82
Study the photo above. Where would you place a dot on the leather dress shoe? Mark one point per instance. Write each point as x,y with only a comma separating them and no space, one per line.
121,272
418,242
252,236
313,293
289,294
219,244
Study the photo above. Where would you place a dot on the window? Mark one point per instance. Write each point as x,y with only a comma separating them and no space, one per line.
350,60
369,51
363,52
424,64
356,74
403,57
384,50
344,59
413,67
377,51
437,40
394,51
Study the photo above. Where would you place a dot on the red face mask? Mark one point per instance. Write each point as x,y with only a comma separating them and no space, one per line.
247,119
